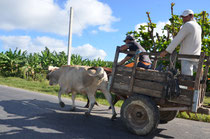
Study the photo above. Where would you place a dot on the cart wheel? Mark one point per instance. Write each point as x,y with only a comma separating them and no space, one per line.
140,114
166,116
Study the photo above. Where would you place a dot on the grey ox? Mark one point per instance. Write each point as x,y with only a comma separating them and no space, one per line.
81,79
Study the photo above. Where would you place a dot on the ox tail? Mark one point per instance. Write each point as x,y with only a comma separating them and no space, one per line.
99,72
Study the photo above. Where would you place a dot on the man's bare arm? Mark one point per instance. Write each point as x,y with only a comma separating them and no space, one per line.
124,60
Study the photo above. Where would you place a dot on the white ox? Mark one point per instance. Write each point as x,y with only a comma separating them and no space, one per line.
81,79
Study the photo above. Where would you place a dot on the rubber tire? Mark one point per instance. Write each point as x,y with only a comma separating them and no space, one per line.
166,116
140,114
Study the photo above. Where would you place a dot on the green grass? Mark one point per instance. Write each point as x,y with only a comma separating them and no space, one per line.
44,87
207,100
196,117
29,85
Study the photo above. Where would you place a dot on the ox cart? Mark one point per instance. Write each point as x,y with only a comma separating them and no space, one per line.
156,96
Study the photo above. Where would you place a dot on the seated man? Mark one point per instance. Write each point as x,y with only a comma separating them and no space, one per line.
132,45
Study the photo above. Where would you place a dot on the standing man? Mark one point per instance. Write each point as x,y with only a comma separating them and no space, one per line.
189,38
132,45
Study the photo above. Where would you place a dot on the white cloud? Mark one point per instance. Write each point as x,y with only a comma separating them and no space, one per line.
47,16
159,26
88,51
14,41
38,44
91,13
94,32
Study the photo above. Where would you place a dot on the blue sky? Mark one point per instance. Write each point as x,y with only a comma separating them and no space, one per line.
98,25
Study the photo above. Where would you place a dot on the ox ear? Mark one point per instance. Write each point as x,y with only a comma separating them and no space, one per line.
51,68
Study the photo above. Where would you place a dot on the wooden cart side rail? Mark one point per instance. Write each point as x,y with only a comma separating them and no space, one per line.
197,92
182,99
140,83
124,88
149,85
151,75
156,56
154,75
186,80
152,54
122,79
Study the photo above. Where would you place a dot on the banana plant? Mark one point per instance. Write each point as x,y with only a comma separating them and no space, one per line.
59,59
11,62
46,58
32,66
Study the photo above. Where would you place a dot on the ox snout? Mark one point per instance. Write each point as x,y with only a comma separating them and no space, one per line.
50,83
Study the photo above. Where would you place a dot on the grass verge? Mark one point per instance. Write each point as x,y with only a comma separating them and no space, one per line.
44,87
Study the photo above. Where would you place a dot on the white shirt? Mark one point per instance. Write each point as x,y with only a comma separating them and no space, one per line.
189,37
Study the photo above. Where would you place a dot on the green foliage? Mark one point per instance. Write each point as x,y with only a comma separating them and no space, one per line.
11,62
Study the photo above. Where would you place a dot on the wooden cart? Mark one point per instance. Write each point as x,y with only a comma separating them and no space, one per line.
157,96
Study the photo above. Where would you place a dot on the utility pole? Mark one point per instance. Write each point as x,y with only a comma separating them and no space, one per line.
70,36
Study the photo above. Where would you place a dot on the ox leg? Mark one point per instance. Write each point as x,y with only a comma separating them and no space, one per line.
62,104
109,99
92,102
87,105
73,101
88,101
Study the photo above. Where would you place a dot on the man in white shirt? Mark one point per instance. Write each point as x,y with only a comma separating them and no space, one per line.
189,38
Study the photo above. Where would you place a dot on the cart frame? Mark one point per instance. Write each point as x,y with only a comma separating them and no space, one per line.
147,90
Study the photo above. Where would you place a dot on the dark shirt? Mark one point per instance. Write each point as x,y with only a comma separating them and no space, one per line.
133,46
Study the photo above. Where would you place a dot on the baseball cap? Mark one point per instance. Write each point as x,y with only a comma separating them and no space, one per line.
128,37
187,12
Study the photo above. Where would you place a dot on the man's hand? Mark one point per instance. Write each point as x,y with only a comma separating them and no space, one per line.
163,54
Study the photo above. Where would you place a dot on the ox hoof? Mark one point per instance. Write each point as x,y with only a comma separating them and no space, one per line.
72,109
114,117
87,114
62,104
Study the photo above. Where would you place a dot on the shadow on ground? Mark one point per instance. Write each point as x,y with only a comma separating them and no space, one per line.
44,119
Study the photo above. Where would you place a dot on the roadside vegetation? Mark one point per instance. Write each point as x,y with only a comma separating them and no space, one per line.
28,71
